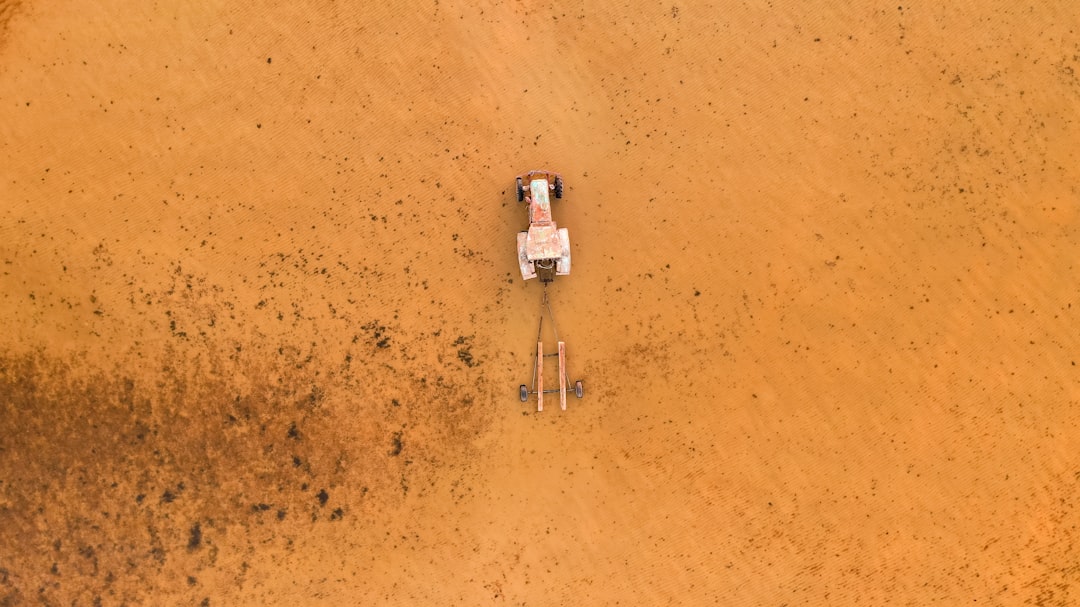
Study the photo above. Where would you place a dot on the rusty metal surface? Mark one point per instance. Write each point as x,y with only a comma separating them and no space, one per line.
543,240
539,202
528,270
562,266
543,243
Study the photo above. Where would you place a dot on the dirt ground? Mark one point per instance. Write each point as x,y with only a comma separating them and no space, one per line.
262,327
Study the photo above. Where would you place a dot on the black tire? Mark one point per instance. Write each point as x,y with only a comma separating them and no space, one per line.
523,393
558,187
579,390
520,190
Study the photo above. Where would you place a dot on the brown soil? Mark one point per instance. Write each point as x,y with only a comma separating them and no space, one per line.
263,329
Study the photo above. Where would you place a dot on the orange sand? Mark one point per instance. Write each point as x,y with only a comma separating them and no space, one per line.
263,329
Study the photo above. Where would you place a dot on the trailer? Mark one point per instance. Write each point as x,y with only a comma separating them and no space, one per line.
537,386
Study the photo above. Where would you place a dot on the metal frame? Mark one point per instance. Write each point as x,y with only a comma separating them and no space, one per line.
537,386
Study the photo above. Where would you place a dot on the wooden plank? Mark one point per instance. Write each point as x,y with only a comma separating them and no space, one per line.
539,376
562,375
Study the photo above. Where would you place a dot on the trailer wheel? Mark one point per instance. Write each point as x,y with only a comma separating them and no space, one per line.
523,393
520,190
558,187
579,390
